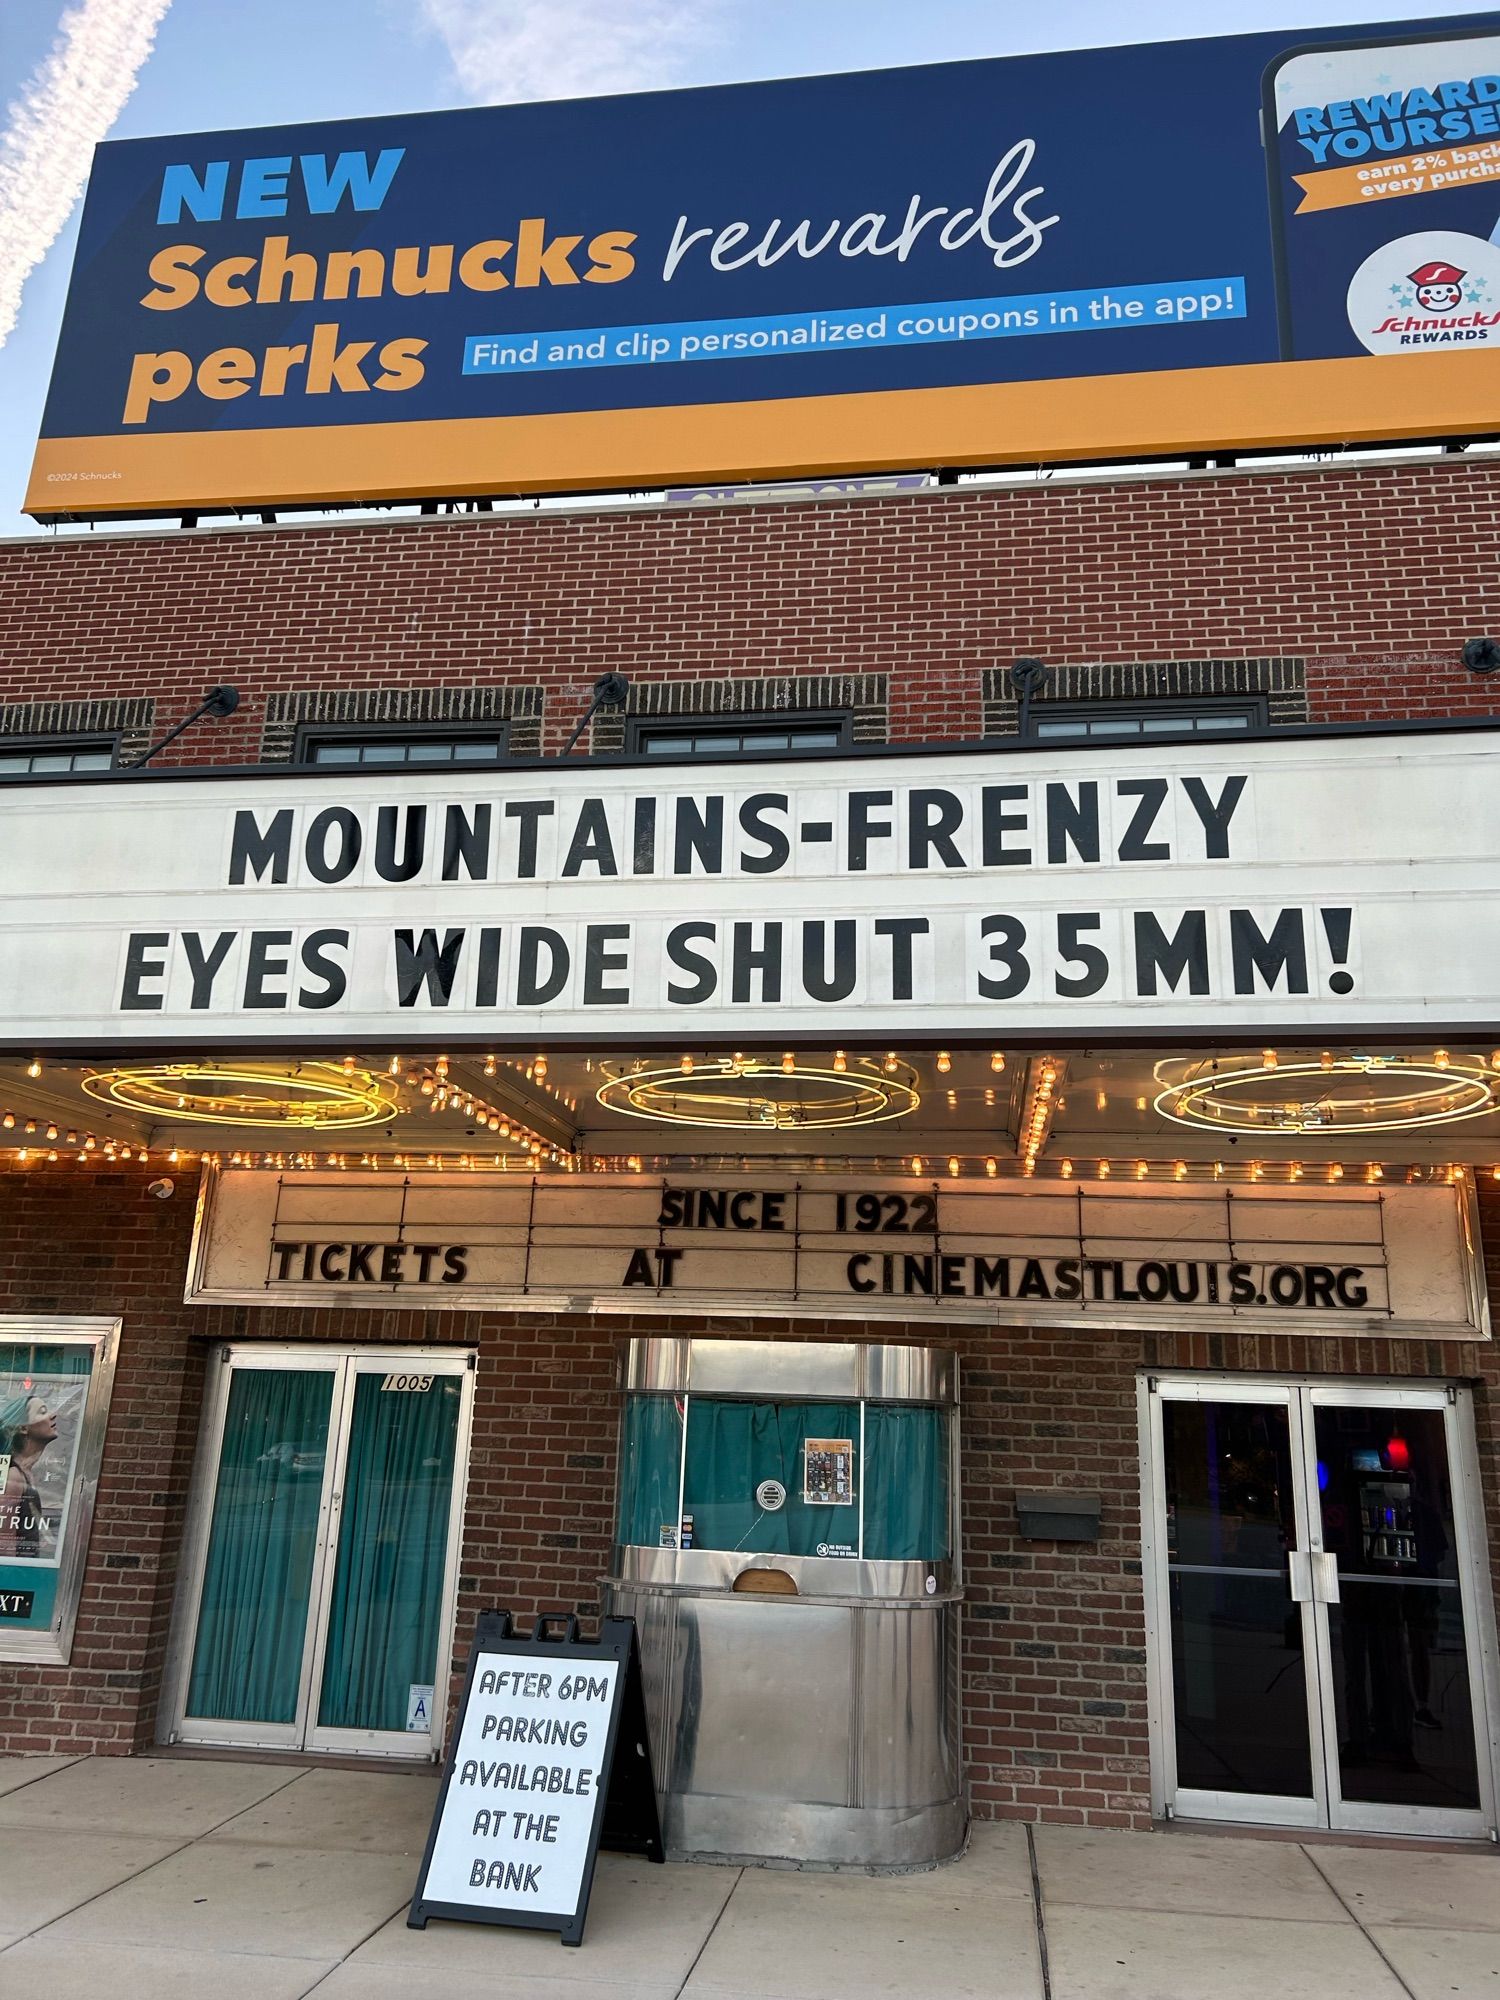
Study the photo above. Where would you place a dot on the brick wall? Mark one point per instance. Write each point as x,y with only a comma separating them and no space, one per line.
1054,1661
1371,577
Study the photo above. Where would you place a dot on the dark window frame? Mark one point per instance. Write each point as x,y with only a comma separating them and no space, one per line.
684,727
310,734
69,742
1183,710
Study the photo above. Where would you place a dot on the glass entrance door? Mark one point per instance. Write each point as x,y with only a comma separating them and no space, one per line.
1393,1612
317,1612
1314,1585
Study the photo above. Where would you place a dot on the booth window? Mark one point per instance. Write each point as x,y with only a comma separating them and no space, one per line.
43,756
734,737
871,1480
1122,721
400,745
55,1380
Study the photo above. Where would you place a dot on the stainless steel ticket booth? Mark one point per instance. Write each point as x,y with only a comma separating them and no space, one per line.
787,1543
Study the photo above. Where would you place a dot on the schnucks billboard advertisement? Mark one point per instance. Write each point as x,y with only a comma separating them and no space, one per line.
1277,240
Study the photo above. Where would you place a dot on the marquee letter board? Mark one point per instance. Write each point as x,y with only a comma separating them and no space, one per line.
531,1789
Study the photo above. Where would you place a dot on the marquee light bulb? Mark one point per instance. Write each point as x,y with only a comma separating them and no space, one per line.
992,1167
788,1063
686,1065
997,1062
892,1062
840,1061
1101,1100
944,1062
1268,1058
34,1067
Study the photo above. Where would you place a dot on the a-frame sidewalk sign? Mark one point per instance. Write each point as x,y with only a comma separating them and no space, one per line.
549,1761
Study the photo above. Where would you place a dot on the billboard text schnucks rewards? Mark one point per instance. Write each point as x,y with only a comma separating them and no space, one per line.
1255,240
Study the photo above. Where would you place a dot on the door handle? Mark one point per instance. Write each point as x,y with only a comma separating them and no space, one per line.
1314,1576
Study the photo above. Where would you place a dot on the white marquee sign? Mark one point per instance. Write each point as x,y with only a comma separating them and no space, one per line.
1336,1260
1314,882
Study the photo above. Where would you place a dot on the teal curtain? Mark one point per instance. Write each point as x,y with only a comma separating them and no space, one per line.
388,1580
906,1483
652,1466
733,1446
252,1622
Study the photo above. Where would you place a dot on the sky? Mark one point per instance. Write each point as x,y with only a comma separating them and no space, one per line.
214,64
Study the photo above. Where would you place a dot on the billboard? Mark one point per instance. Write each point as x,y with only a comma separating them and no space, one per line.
1094,254
1320,883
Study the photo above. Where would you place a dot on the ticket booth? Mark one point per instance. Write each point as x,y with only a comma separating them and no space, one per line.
787,1543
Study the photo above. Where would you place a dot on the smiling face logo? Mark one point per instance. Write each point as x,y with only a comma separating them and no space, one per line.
1439,286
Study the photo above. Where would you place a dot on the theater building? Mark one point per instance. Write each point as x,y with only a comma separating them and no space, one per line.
958,1199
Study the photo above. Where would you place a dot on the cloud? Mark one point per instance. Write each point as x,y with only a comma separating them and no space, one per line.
70,102
506,51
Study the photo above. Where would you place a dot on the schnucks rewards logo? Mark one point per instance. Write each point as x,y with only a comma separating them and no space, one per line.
1437,289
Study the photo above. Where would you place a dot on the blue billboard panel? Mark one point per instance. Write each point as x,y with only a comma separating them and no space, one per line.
1288,238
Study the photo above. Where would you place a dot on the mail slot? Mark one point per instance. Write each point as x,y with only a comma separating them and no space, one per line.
1059,1516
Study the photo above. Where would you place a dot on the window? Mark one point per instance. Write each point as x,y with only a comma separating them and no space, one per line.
412,748
40,757
1124,721
736,738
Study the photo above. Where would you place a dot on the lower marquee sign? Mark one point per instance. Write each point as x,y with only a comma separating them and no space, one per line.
1358,1258
550,1760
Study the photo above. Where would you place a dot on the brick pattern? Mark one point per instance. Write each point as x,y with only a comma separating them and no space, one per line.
864,698
518,708
130,721
1373,576
1053,1655
1283,683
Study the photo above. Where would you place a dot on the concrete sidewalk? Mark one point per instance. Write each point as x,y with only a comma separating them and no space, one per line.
187,1879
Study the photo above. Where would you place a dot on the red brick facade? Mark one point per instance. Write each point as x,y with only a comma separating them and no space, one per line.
1054,1642
1367,580
1373,577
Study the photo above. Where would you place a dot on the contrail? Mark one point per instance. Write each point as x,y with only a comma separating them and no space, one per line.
69,104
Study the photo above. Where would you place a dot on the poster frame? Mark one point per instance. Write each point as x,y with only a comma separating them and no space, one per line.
54,1646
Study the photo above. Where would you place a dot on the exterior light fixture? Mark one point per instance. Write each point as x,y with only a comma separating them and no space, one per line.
306,1095
1335,1095
746,1093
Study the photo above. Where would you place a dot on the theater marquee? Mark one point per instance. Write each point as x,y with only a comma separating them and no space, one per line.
1310,884
1338,1260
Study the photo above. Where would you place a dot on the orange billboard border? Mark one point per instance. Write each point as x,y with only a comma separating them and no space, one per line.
1263,405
